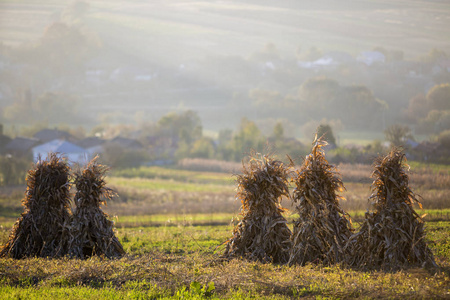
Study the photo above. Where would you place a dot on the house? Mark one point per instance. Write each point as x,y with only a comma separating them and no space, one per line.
72,152
93,145
126,143
371,57
47,135
20,146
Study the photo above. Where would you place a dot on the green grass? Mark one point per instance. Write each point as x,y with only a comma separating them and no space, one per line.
435,168
166,185
175,174
182,262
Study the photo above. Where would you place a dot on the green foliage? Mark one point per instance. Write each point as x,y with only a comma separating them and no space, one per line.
398,134
433,56
202,148
248,138
417,108
49,107
185,126
278,132
119,157
326,131
444,138
13,169
439,97
353,105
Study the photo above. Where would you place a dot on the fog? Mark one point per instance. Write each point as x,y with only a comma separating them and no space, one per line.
353,64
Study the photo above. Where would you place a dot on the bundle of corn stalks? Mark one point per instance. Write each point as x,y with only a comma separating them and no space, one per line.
41,229
392,235
262,233
92,231
322,228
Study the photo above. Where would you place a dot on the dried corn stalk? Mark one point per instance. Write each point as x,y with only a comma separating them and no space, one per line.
262,234
92,231
392,235
41,229
322,228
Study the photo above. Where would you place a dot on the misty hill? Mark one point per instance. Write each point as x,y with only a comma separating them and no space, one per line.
223,59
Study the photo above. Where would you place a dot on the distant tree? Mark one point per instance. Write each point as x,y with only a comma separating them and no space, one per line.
186,126
202,148
357,106
278,132
13,169
313,54
268,53
55,108
225,136
317,95
417,108
439,97
433,56
20,110
444,138
398,134
62,50
326,131
76,9
390,55
248,138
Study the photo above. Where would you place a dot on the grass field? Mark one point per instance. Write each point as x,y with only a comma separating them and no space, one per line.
183,262
173,224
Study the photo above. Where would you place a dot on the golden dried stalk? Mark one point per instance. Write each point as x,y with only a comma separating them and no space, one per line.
92,231
41,229
322,229
262,234
392,235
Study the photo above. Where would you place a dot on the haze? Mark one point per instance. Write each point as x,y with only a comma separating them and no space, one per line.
132,62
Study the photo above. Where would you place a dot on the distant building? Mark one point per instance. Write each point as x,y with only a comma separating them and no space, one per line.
92,146
126,143
72,152
371,57
47,135
20,146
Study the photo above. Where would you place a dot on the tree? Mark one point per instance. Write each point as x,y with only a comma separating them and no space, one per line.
327,133
278,132
398,134
248,138
13,170
417,108
55,107
434,55
186,126
444,138
439,97
202,148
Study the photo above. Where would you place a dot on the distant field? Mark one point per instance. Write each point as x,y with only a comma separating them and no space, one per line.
190,29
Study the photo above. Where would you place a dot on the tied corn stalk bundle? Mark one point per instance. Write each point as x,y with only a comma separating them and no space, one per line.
392,235
322,229
41,229
262,234
92,231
